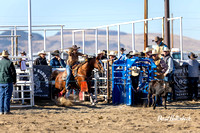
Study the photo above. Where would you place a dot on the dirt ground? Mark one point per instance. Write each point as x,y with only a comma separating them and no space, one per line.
45,116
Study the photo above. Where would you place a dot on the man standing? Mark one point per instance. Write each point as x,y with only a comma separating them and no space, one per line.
41,60
7,79
57,62
193,75
160,45
122,54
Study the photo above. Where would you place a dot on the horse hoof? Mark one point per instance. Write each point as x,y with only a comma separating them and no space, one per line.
93,104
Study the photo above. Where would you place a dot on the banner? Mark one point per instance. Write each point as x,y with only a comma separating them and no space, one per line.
180,83
41,78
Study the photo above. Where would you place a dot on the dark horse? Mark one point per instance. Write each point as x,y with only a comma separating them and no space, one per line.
80,73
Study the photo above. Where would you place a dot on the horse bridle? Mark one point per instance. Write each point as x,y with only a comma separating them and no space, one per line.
99,64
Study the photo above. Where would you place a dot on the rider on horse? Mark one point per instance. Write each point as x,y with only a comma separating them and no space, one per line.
72,60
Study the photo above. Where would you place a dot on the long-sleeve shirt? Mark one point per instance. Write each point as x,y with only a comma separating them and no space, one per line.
40,61
169,61
55,63
193,67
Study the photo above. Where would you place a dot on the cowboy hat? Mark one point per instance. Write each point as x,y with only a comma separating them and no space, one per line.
42,52
5,53
23,52
56,53
100,52
74,47
192,54
148,49
154,52
112,53
134,52
166,49
157,38
135,71
122,49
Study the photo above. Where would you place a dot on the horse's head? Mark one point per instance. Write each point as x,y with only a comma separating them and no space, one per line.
99,65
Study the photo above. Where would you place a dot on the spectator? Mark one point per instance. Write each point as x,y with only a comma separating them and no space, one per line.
41,60
134,54
57,62
148,52
161,65
122,54
112,55
160,45
7,79
22,61
193,75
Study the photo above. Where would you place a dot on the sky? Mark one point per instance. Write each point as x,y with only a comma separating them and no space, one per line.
92,13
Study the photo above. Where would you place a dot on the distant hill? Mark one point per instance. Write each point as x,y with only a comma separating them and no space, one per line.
53,42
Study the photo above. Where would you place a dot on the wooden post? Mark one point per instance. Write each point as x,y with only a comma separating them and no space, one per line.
167,24
145,24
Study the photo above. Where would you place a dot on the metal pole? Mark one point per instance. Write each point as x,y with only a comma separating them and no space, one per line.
133,36
83,33
172,32
145,24
61,41
118,40
107,39
30,49
73,38
15,34
44,40
12,43
96,41
181,38
167,24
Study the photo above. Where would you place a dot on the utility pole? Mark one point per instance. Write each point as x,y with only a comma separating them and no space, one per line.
167,24
145,24
172,32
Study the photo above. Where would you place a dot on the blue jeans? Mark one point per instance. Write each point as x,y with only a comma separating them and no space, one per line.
193,87
5,96
68,69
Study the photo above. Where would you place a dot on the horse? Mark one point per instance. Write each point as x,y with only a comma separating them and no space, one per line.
80,73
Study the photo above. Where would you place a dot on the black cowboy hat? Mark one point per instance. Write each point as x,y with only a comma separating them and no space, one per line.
192,54
56,53
122,49
23,52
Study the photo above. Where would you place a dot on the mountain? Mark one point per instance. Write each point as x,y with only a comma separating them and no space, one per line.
54,42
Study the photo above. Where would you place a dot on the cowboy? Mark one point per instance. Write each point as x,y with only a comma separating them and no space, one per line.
148,52
193,75
7,79
169,72
41,60
57,62
134,54
161,65
22,61
112,55
160,45
72,60
122,54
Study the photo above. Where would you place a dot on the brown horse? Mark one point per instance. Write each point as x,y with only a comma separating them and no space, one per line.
80,73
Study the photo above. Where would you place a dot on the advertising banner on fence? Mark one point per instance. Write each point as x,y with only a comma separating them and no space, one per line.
41,78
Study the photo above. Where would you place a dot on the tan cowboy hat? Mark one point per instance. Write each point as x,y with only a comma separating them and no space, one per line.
5,53
135,71
166,49
154,52
100,52
74,47
112,53
42,52
157,38
134,52
148,49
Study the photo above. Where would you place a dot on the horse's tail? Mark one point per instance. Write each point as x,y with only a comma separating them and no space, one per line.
54,74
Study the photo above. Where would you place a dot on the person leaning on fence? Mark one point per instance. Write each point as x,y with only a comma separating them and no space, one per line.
7,79
161,65
57,62
160,45
170,69
41,60
193,67
22,61
72,60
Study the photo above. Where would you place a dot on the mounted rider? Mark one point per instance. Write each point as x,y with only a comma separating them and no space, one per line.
72,60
